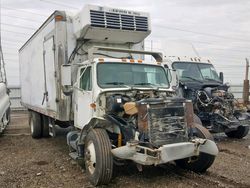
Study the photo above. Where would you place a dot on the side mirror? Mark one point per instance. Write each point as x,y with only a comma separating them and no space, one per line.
66,79
221,76
174,79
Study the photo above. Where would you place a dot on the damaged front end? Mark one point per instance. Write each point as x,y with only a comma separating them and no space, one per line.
164,133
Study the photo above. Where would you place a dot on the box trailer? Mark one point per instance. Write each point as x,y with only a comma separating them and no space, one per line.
88,71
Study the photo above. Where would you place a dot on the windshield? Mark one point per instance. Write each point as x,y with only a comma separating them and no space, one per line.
129,74
196,71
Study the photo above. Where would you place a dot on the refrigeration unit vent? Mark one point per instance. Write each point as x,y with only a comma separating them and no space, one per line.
118,21
111,25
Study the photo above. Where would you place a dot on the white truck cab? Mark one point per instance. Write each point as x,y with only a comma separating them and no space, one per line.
93,76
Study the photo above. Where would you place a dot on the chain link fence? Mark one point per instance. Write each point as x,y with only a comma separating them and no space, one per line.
15,95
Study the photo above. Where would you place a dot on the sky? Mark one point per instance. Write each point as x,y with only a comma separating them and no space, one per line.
216,29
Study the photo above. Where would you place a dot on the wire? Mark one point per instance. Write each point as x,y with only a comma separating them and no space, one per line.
21,10
200,33
15,32
203,42
26,19
60,4
13,41
18,26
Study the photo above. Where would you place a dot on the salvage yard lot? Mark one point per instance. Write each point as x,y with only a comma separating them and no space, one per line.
26,162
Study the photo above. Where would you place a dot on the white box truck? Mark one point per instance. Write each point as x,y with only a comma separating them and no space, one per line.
88,71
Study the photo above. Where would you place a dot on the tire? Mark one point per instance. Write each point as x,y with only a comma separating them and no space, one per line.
45,126
197,120
8,115
98,157
35,124
5,120
202,162
239,133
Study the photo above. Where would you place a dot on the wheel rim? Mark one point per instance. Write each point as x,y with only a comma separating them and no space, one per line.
90,157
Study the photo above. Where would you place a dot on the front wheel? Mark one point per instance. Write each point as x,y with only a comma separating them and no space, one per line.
239,133
202,162
98,157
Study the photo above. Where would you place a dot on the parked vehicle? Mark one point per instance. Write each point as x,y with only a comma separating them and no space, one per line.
4,95
213,103
4,107
88,71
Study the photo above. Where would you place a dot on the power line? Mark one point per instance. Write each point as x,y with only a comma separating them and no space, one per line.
7,53
15,32
232,50
26,19
18,26
60,4
192,41
10,40
200,33
21,10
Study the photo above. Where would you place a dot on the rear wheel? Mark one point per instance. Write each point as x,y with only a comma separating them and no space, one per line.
35,124
202,162
98,157
45,126
239,133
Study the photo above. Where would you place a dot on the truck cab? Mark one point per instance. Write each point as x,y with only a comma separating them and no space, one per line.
129,102
214,104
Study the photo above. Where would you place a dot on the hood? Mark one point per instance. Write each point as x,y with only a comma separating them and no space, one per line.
201,85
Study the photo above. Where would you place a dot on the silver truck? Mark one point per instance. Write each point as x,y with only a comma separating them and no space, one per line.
89,71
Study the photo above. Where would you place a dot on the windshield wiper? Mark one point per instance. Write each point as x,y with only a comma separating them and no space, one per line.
114,83
117,84
144,84
210,79
191,78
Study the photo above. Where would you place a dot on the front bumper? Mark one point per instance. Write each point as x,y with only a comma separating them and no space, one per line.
166,153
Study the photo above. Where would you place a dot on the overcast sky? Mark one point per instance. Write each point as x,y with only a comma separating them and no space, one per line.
217,29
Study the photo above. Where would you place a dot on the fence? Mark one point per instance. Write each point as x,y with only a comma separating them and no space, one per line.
15,95
237,90
15,98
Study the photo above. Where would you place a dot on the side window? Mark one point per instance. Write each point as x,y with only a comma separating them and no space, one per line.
85,81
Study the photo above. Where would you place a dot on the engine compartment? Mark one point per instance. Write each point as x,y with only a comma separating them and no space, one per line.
216,107
153,118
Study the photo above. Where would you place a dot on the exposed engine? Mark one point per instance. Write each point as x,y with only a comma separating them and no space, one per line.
215,100
156,118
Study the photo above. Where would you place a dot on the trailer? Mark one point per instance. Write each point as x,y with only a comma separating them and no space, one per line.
89,71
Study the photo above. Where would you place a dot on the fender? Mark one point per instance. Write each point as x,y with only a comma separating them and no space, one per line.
111,123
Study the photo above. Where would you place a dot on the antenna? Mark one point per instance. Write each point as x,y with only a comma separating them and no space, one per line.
195,51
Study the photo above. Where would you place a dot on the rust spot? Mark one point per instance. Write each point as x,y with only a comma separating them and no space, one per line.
142,118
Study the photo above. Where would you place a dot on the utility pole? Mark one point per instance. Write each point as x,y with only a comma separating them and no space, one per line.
2,63
246,85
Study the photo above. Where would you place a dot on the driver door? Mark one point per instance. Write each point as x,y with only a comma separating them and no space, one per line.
83,93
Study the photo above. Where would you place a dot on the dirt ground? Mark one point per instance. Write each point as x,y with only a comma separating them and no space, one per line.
26,162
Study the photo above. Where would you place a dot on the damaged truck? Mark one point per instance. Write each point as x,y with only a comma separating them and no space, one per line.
89,71
214,105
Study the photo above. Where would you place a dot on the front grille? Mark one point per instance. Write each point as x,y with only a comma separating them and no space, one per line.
167,123
118,21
